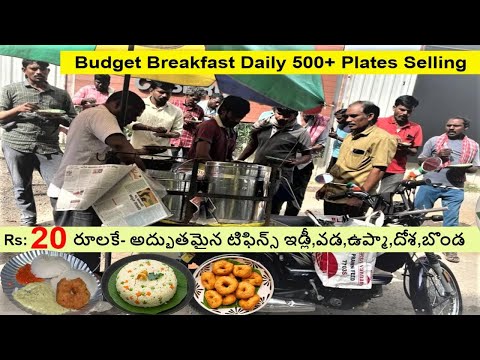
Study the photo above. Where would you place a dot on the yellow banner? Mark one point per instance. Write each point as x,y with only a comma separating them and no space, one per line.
270,62
251,239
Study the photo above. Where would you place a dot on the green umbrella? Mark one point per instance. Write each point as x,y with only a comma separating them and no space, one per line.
299,92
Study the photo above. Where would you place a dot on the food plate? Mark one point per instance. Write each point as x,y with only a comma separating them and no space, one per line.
184,294
9,281
265,291
460,166
273,158
51,112
160,147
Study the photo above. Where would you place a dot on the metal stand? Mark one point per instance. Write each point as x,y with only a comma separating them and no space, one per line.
108,259
193,192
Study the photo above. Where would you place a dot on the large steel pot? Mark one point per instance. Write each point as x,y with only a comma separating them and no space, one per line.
231,178
173,182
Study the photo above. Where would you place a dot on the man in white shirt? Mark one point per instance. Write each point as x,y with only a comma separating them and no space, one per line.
93,133
160,121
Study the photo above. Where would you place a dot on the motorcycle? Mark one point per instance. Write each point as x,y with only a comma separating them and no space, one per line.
428,283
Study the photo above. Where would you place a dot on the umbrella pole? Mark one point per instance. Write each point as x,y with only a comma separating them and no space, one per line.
123,115
126,85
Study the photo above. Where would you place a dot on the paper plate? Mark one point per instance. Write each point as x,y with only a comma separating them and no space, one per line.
431,163
10,284
460,166
265,291
51,112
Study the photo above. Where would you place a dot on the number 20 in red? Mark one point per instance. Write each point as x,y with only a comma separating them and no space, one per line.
53,238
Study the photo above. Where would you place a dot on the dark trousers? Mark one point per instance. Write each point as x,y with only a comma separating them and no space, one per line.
284,190
21,167
333,160
176,152
78,218
301,178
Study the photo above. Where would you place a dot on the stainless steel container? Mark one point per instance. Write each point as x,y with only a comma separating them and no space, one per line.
173,182
230,178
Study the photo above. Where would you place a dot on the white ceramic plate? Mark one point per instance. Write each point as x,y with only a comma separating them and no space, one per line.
9,281
265,291
460,166
50,112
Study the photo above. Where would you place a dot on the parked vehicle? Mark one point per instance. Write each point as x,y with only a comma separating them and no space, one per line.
428,283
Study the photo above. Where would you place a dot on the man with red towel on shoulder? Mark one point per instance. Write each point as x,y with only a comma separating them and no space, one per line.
460,156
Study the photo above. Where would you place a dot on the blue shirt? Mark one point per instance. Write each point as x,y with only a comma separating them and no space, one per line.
341,132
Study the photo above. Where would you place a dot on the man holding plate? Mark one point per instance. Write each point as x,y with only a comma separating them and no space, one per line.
31,112
409,137
459,155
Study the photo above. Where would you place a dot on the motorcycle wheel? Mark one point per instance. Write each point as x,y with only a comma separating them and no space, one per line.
429,297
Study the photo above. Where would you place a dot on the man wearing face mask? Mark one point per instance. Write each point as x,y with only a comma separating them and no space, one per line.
281,137
459,155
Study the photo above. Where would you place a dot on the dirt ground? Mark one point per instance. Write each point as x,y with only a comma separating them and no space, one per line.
392,302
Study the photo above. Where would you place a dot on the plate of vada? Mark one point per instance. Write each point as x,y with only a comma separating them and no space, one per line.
232,285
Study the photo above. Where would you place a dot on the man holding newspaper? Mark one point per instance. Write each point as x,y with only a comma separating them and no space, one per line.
92,134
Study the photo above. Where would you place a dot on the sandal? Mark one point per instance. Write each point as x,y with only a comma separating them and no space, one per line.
452,257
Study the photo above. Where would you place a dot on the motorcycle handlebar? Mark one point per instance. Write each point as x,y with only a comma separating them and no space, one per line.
358,194
410,184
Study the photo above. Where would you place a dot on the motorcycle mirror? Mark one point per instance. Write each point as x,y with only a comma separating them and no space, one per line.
431,164
324,178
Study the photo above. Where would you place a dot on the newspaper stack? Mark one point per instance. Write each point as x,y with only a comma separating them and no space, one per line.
121,195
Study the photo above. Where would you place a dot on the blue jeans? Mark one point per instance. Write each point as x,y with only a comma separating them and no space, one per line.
451,198
21,166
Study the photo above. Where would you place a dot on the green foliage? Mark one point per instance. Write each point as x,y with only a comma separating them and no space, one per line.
127,132
243,131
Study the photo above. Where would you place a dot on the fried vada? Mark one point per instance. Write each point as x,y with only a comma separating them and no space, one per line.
72,294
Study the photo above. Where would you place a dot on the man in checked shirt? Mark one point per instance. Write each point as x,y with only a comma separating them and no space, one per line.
30,140
192,116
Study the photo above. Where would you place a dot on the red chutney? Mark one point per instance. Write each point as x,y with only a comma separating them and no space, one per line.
25,276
